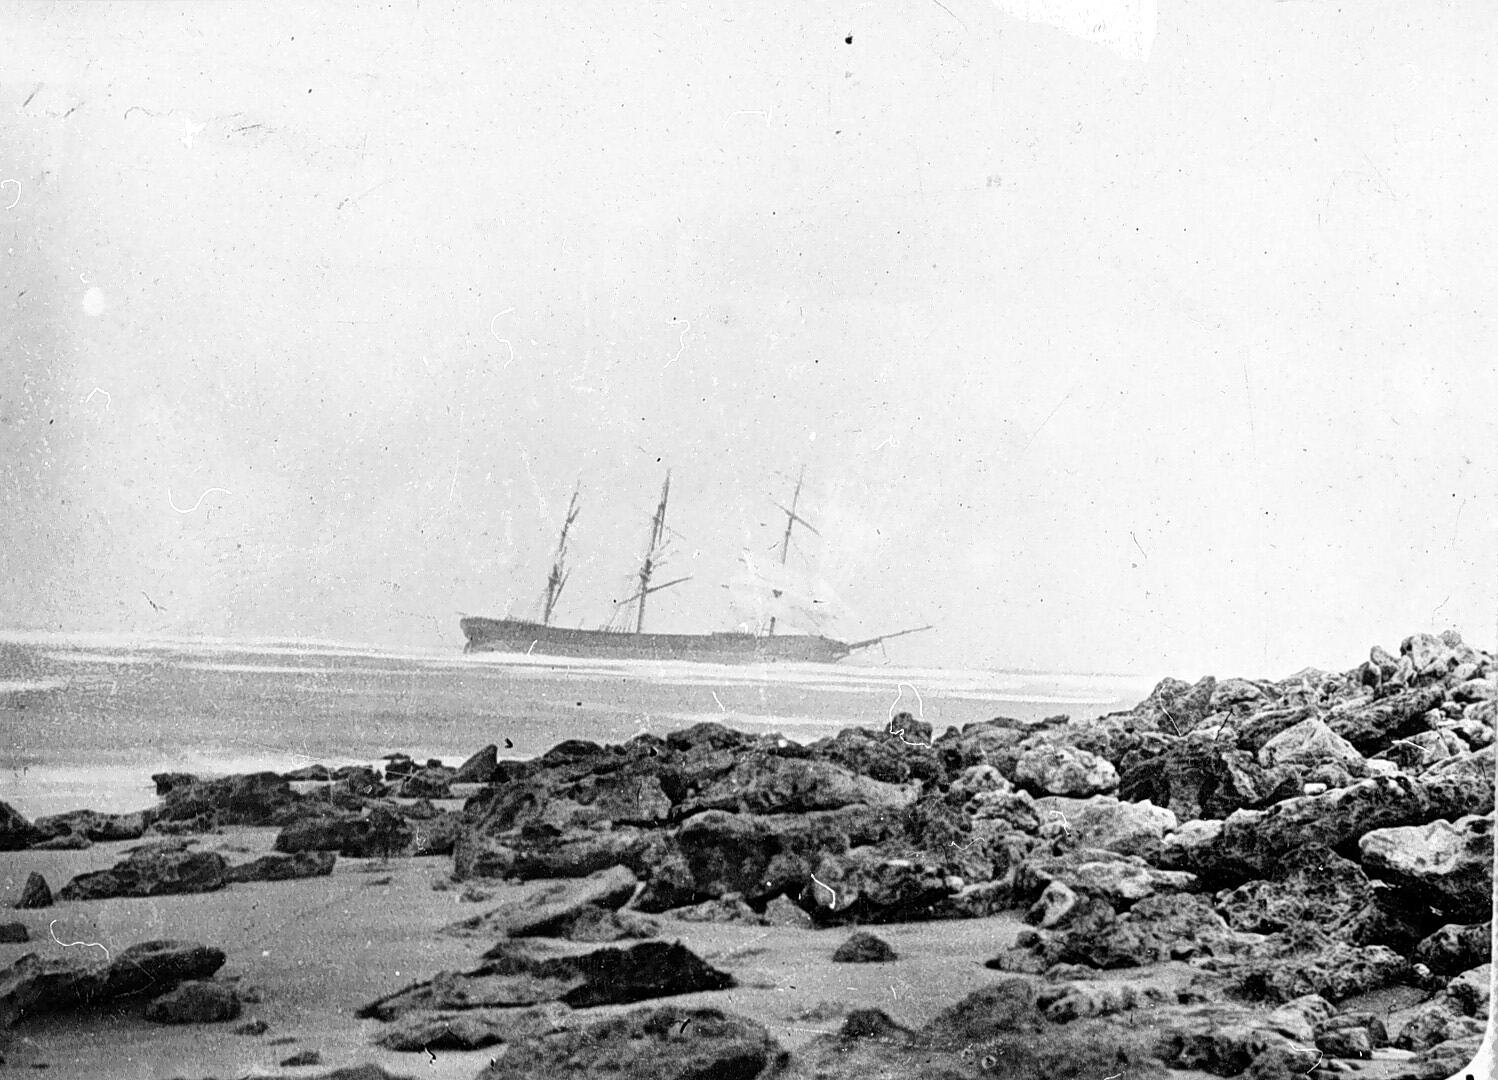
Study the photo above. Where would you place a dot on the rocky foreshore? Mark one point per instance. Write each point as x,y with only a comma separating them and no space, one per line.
1235,877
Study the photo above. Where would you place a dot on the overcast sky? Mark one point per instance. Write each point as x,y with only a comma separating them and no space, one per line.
1168,354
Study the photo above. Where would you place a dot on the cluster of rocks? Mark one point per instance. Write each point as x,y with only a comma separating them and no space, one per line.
1296,844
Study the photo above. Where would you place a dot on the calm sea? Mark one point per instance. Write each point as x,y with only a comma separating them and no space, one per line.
86,719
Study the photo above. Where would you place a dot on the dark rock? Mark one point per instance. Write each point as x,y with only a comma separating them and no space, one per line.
167,782
1310,885
1306,960
15,831
1447,865
382,833
548,909
151,873
1370,726
308,773
1444,1060
436,835
34,985
97,827
154,965
316,834
398,767
1454,948
513,976
1156,929
480,768
730,909
864,948
1345,1043
301,1058
1437,1023
428,783
597,925
1367,1024
1175,706
647,1044
68,841
878,756
471,1029
253,1027
772,784
195,1003
283,867
868,885
13,933
1199,778
1001,1008
360,781
35,893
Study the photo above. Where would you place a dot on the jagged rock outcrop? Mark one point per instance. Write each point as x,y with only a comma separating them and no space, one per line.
151,872
1448,865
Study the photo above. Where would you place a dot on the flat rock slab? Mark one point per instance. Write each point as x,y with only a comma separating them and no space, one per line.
37,984
512,976
549,908
151,873
471,1029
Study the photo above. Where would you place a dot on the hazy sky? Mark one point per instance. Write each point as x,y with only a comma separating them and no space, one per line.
1170,361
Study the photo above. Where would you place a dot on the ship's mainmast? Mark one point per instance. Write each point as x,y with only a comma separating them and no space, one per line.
792,519
557,579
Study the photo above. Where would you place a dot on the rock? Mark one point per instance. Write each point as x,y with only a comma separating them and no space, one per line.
1129,828
1310,885
151,873
167,782
1055,905
195,1003
471,1029
283,867
256,799
1447,865
1156,929
1201,778
1001,1008
648,1044
512,976
1251,842
253,1027
1175,706
1064,1002
1054,769
301,1058
428,783
16,832
1454,948
547,909
382,833
1444,1060
867,885
1310,743
309,773
155,965
597,925
864,948
772,784
13,933
69,841
1366,1023
35,893
879,755
1470,993
1371,725
480,768
1352,1042
1306,960
34,985
316,834
1436,1023
1118,879
1228,1040
730,909
97,827
359,781
435,835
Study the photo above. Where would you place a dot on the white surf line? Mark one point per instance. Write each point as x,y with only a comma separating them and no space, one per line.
69,944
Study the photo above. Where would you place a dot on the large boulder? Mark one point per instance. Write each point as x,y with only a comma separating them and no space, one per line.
1310,743
864,948
1056,769
1310,885
34,984
1156,929
428,782
382,833
1307,960
1198,777
255,799
157,965
1120,880
868,885
1129,828
479,768
151,872
1370,725
647,1044
879,755
1448,865
773,784
1455,948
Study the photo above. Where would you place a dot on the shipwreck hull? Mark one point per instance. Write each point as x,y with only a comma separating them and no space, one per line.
537,639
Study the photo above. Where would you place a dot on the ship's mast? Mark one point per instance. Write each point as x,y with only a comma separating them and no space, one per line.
792,519
657,533
557,579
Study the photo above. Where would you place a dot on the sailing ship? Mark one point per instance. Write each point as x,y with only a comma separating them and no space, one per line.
626,638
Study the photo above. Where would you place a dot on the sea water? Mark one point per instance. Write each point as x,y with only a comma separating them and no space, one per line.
86,719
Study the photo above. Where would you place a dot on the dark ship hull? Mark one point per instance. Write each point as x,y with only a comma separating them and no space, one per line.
521,636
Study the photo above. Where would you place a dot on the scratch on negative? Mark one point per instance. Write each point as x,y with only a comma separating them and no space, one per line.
683,342
715,698
920,709
172,503
12,206
51,929
828,888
